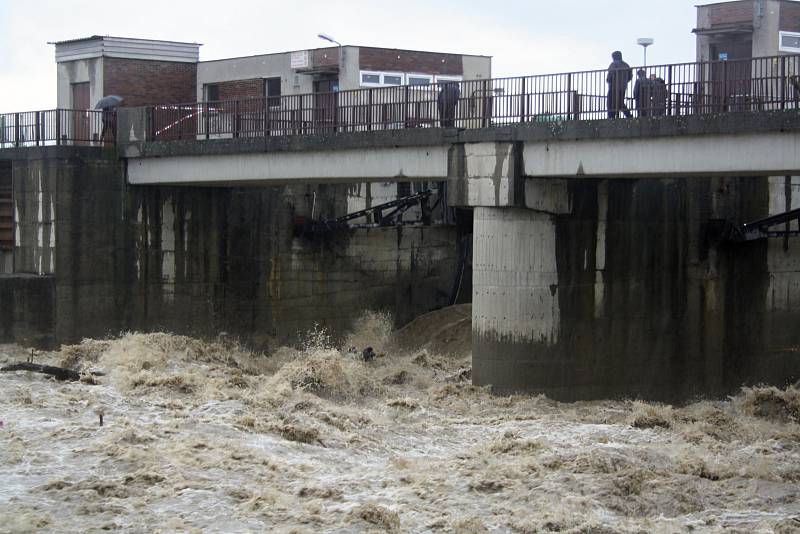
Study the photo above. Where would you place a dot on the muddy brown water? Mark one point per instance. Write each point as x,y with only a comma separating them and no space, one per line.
209,437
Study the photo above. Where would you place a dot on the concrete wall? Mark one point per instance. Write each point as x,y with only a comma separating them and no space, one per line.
210,260
477,67
27,310
278,65
202,260
79,71
766,28
35,183
619,292
261,66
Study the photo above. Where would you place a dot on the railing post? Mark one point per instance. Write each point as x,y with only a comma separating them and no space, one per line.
236,119
669,90
783,82
576,105
724,86
524,101
405,108
266,117
569,96
207,120
16,129
369,110
485,103
180,122
58,126
38,124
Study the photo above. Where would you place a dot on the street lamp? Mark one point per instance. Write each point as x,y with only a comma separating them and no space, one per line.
326,37
644,42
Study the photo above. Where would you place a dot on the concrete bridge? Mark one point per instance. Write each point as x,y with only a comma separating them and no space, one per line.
594,269
725,144
598,265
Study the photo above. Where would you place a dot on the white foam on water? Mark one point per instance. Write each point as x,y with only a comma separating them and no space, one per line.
210,437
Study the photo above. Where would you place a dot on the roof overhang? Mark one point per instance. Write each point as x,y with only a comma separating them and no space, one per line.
319,70
723,30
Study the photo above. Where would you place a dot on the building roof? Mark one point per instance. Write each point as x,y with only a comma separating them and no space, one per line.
343,46
124,47
99,37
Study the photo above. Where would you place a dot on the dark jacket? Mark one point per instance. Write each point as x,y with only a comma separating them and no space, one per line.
619,75
448,96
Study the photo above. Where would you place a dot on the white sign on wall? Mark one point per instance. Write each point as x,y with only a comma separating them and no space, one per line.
299,60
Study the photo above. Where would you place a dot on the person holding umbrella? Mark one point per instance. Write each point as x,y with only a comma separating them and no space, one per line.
109,106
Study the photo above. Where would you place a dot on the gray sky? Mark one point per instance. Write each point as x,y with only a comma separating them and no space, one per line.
524,37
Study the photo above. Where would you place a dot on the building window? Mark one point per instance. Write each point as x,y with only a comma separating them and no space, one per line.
419,79
380,79
443,79
789,42
273,92
392,79
212,92
372,79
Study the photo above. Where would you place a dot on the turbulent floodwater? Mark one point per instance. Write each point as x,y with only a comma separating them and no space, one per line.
208,437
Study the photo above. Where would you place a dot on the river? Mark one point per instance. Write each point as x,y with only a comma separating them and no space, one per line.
202,436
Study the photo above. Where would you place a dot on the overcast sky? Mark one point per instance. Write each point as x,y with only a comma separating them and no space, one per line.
523,36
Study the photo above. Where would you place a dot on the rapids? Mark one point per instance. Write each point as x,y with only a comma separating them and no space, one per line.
203,436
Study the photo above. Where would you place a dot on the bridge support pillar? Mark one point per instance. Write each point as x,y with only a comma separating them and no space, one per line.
516,315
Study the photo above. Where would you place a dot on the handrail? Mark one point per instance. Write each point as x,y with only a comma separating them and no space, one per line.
676,89
89,127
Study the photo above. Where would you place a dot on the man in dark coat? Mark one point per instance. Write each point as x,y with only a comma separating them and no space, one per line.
447,102
642,94
619,76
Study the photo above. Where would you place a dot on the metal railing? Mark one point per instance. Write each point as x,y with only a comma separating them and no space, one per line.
57,127
665,90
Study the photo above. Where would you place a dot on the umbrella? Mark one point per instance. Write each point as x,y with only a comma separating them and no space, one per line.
110,101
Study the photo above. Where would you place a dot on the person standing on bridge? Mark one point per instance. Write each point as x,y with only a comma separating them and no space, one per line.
642,90
619,76
447,102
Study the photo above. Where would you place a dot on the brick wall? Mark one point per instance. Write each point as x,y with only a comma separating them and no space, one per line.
142,82
241,89
731,13
790,17
410,61
325,56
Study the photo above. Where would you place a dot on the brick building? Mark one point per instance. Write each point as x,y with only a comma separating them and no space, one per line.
166,72
142,71
747,28
332,69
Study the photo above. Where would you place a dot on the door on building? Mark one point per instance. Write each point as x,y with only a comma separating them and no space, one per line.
731,75
80,117
325,104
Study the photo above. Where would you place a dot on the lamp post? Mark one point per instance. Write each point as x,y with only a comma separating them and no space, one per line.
644,42
326,37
